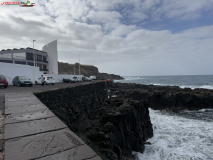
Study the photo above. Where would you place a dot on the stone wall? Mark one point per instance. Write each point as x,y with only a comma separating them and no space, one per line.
112,127
75,104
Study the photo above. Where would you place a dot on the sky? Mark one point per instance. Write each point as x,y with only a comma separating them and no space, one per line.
124,37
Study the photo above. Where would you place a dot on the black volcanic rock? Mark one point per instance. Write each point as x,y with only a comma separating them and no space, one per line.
112,127
120,127
166,97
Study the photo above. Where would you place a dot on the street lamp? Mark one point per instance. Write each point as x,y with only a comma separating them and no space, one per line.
34,60
74,68
79,64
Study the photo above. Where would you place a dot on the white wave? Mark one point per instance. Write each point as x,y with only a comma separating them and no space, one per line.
178,138
202,86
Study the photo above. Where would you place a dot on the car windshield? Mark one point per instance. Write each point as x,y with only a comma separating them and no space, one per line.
49,77
23,78
2,77
74,77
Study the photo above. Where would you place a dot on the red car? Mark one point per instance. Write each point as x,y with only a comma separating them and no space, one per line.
3,81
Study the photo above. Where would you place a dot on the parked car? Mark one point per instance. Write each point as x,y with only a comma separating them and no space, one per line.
86,79
68,80
47,80
79,79
93,77
22,81
3,81
76,79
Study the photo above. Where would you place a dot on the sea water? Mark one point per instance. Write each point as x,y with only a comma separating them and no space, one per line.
187,135
205,81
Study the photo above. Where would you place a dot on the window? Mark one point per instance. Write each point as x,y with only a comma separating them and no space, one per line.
39,65
6,61
2,77
44,59
7,55
19,56
31,64
39,58
44,66
29,56
18,62
23,78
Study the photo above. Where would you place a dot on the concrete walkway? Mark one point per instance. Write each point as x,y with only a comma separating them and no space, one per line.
32,131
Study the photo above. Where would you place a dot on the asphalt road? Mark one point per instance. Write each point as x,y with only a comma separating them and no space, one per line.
36,88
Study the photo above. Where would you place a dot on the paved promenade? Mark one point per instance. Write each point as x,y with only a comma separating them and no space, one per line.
32,131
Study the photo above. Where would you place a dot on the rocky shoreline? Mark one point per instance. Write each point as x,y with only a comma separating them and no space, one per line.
171,98
116,123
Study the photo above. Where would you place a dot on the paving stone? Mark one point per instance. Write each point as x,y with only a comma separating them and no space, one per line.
17,95
28,116
78,153
41,145
15,130
21,103
26,108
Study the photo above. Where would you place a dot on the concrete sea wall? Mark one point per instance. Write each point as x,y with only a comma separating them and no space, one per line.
112,127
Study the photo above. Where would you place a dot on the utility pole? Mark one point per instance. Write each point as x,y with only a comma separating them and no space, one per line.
79,65
74,68
34,60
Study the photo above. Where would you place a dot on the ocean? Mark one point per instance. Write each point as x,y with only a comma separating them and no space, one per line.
187,135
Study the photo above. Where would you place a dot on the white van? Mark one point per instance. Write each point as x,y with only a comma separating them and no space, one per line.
92,77
47,80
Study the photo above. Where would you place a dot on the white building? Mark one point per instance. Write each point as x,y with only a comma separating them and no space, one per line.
20,62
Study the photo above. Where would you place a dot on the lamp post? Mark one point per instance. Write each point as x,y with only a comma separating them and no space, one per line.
34,60
79,64
74,68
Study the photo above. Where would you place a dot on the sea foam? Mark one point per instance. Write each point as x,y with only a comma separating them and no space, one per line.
178,138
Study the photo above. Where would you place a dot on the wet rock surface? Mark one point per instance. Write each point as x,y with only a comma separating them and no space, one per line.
166,97
112,127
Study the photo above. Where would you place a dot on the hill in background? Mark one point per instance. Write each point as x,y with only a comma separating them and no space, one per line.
86,70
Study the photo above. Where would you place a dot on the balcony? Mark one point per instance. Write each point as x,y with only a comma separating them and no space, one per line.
5,56
12,57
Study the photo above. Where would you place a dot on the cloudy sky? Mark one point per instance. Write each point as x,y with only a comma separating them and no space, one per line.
125,37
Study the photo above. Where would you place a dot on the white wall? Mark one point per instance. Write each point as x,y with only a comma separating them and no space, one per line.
51,49
10,70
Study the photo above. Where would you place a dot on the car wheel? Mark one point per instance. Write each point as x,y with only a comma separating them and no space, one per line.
19,85
31,85
52,83
13,84
5,86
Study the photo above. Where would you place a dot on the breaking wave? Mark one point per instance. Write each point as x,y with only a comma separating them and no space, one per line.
178,137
